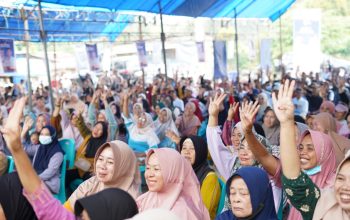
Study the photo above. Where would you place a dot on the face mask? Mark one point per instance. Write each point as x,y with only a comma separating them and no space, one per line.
313,171
44,140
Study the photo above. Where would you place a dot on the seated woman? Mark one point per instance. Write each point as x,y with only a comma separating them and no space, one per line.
172,185
301,188
271,127
109,204
105,115
85,154
325,123
142,135
188,123
250,194
48,159
115,166
163,124
195,150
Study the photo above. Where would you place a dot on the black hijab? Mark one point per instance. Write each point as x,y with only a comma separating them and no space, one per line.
45,152
95,143
109,204
200,166
14,204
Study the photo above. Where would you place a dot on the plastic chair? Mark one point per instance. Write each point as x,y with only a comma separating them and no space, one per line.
62,193
68,146
222,196
11,164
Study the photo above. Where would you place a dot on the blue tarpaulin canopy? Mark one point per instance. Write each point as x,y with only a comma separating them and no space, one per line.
63,25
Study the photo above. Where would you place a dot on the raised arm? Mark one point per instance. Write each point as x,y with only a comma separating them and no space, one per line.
226,130
126,104
284,110
112,123
247,114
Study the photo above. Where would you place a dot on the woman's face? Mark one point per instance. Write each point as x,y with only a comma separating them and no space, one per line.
141,121
342,187
309,122
340,115
40,123
34,138
241,204
157,110
153,174
236,137
163,116
97,131
269,119
261,100
105,165
188,151
113,109
45,132
101,117
317,126
245,155
325,108
307,153
137,110
189,109
74,120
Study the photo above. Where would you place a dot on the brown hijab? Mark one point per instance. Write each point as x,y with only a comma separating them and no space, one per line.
126,174
340,143
327,206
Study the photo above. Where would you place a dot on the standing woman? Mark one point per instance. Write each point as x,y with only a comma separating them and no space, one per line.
172,185
250,195
163,124
195,150
48,159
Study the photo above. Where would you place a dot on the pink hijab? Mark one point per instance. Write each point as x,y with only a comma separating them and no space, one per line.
180,193
325,158
340,143
330,105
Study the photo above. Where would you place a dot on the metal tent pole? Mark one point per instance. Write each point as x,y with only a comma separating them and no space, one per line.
236,46
43,39
142,69
162,37
27,38
281,47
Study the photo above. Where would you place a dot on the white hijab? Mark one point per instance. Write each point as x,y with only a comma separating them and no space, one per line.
145,134
169,124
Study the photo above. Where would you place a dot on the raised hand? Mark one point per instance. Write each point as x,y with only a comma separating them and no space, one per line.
283,103
247,114
214,106
172,136
232,110
28,123
104,96
12,130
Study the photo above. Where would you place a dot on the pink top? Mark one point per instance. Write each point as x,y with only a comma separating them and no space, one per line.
45,206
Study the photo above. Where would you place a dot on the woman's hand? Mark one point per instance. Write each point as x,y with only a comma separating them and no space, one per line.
214,106
12,129
283,103
247,114
232,111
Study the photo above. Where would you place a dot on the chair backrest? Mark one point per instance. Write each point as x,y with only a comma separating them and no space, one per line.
68,146
222,196
62,193
11,164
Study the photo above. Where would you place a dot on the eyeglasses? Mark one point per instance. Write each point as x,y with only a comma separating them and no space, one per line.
141,119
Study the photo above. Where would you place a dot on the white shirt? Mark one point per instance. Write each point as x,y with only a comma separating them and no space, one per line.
301,106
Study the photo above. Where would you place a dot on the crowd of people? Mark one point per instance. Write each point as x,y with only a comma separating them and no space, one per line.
178,149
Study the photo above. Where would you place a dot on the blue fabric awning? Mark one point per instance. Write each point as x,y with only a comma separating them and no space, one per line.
192,8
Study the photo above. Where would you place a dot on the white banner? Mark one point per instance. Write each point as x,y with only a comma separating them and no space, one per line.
265,53
94,62
141,51
307,39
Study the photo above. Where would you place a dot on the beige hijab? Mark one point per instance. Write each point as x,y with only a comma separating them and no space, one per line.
327,207
126,174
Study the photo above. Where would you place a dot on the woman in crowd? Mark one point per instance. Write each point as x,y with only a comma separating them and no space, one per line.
188,123
250,194
301,189
85,154
163,124
327,106
271,127
115,166
172,185
263,102
48,159
142,135
108,204
105,115
66,122
195,150
325,123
